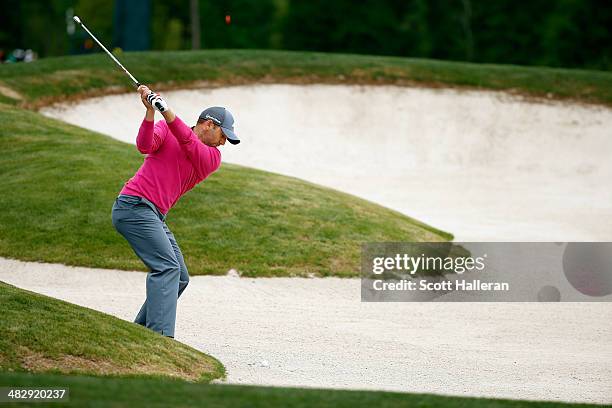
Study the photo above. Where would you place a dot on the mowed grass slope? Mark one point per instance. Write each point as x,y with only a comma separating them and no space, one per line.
55,79
141,392
59,183
42,334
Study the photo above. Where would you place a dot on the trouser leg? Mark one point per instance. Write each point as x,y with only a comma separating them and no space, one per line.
141,317
145,232
184,273
183,277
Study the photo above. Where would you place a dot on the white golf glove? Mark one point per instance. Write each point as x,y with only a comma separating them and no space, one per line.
157,102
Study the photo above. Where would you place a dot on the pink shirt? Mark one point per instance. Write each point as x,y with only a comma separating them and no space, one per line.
176,161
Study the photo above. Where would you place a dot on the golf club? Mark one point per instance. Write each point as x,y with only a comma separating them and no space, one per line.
78,21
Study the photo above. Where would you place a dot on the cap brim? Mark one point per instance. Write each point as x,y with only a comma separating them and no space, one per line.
231,136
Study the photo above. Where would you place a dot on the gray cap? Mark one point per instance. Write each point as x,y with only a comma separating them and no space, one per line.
223,118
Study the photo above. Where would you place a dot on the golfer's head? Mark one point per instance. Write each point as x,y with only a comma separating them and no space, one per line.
216,126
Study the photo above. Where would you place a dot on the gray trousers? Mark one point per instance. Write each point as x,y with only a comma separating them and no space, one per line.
144,227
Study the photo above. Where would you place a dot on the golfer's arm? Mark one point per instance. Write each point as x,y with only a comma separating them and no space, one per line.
148,140
169,116
150,115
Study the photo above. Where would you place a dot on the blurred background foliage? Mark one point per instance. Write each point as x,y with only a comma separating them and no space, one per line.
561,33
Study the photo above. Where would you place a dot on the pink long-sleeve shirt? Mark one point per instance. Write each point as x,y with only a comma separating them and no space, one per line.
176,161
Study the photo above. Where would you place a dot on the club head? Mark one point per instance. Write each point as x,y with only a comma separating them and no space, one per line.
76,19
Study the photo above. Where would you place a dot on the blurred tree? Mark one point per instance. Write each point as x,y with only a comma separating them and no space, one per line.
466,23
132,25
41,26
173,35
323,25
413,27
281,8
578,33
237,23
98,16
10,21
570,33
195,24
171,25
505,31
447,34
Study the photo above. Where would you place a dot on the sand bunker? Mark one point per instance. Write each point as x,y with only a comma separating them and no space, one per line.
482,165
317,333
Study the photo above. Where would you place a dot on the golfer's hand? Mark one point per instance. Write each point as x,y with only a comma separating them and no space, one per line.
144,92
157,101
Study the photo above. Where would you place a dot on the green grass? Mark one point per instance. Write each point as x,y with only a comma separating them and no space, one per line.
91,391
52,79
59,183
42,334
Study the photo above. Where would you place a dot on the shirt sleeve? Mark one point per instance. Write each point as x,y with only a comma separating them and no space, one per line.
205,159
150,137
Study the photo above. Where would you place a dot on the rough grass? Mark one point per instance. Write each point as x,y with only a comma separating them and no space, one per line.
53,79
42,334
92,392
59,183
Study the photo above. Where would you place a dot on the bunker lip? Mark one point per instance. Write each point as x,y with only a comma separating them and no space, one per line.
239,81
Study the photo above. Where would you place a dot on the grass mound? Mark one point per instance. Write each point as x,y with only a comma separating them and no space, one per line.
53,79
60,181
42,334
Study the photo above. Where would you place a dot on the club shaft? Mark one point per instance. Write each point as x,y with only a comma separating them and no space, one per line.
110,55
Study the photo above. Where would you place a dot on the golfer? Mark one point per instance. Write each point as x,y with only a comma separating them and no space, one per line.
177,158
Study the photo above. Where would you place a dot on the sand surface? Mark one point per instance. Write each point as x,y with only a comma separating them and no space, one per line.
482,165
317,333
